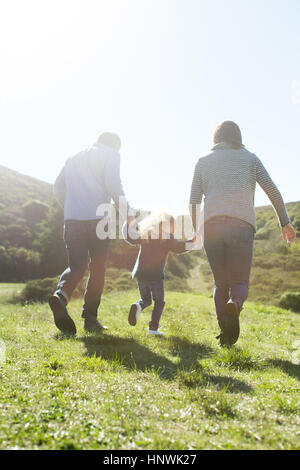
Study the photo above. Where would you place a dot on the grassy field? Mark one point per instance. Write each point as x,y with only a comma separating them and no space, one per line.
125,390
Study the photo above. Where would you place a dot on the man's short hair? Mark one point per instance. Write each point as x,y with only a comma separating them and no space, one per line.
110,140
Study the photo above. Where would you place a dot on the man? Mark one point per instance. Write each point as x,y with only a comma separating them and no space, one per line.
88,180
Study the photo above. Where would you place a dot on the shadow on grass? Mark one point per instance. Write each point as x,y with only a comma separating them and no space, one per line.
188,351
230,384
286,366
135,357
128,352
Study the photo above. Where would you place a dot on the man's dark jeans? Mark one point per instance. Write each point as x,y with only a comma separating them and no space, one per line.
155,289
84,246
228,243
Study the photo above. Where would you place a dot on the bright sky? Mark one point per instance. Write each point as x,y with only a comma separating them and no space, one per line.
162,74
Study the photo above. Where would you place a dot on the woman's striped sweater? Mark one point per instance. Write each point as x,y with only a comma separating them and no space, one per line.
226,178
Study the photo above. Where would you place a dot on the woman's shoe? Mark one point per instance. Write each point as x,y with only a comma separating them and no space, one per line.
232,322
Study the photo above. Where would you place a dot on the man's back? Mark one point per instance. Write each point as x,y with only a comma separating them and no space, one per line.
89,179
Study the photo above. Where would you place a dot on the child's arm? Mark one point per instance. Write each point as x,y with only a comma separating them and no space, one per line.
127,238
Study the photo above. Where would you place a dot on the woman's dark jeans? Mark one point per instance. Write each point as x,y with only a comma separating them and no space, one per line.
84,246
228,243
155,289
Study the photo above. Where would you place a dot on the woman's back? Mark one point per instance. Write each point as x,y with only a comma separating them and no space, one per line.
227,178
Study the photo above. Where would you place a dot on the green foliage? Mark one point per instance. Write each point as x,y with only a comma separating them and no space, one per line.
18,264
23,203
290,301
263,233
35,211
14,235
49,242
38,290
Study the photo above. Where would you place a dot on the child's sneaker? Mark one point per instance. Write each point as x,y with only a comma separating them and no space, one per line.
134,312
155,333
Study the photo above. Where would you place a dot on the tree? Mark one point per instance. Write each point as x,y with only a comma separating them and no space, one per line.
50,242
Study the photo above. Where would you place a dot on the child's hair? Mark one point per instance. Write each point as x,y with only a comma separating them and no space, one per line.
157,226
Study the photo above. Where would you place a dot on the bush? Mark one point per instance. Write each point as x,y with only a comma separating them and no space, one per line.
35,211
263,233
290,301
38,290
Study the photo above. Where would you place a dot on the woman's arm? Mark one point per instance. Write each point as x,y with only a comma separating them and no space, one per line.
264,180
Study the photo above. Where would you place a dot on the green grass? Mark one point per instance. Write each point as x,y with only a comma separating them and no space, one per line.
8,291
125,390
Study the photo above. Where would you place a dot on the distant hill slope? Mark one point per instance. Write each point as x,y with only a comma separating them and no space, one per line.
31,244
24,204
17,189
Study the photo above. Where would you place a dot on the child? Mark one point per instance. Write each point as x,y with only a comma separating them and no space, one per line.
155,236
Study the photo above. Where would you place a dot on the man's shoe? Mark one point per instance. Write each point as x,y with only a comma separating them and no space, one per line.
134,312
62,319
93,326
232,322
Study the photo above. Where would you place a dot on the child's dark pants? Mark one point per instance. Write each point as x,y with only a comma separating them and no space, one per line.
155,290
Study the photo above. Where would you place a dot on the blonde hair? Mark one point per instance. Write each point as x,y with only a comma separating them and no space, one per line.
156,226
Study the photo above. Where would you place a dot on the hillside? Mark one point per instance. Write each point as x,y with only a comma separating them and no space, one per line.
31,245
16,188
24,204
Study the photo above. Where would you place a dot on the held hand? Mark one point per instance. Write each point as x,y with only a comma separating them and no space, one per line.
288,233
131,220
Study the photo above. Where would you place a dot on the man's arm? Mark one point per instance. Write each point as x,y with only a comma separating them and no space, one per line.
196,197
59,188
126,232
113,184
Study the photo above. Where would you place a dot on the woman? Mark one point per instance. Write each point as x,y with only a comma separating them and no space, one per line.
227,178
